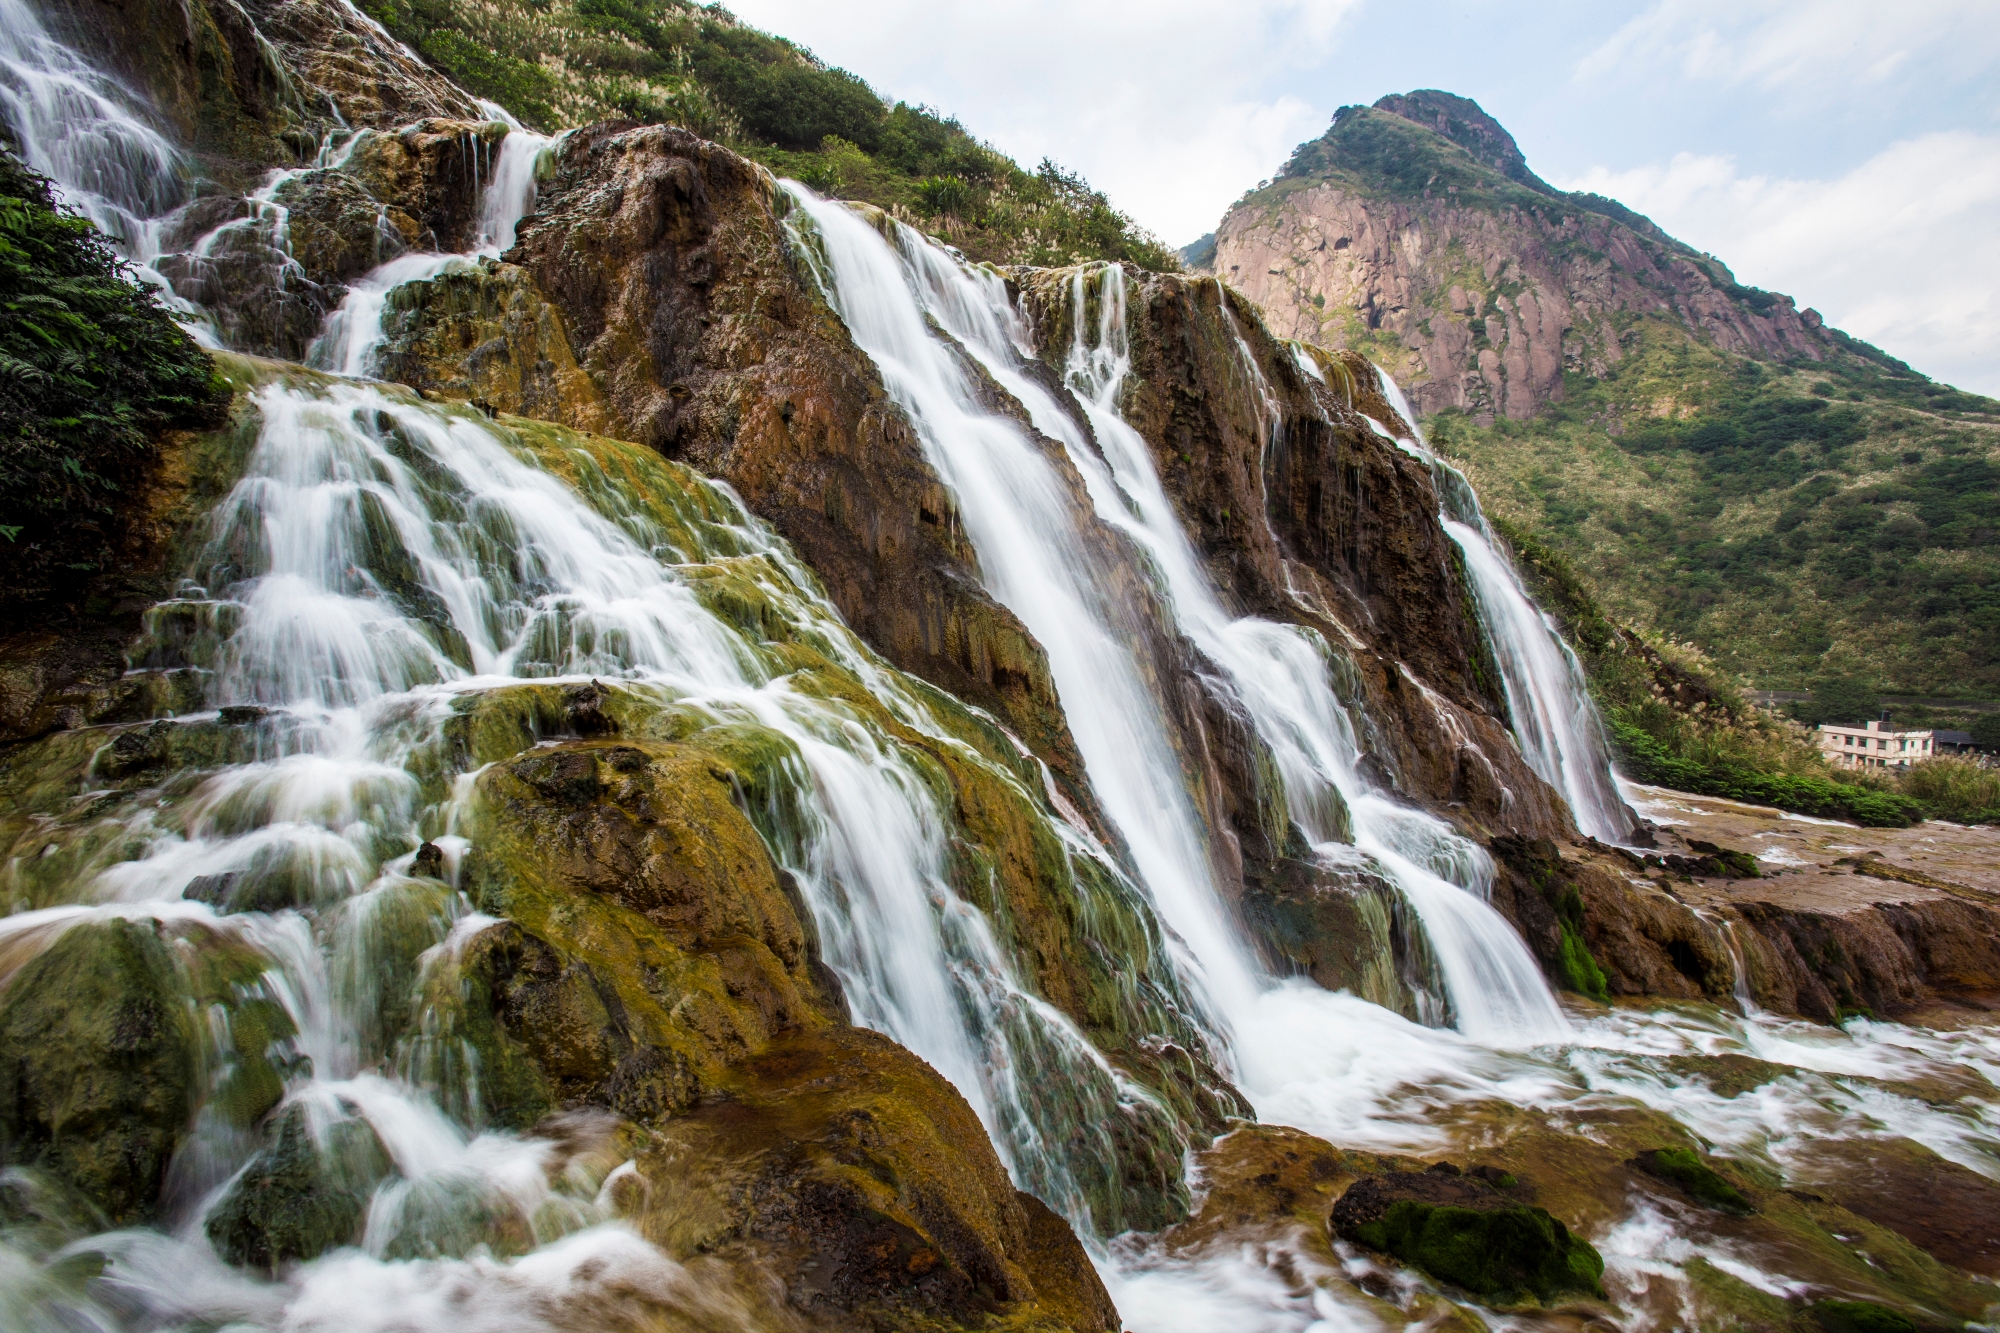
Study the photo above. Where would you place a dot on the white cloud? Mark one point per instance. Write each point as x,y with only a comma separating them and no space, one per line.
1818,49
1900,251
1171,109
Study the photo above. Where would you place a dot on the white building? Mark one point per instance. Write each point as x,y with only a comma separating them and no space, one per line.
1873,746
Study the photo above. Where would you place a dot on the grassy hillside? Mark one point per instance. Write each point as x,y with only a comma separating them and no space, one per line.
1799,522
559,63
1676,721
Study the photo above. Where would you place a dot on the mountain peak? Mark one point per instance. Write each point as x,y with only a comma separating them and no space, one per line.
1465,123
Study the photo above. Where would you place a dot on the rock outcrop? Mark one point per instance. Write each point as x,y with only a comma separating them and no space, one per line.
1413,231
654,296
244,86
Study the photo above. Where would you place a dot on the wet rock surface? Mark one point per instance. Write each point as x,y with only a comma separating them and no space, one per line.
1841,919
256,84
96,1055
1939,1205
867,1181
1468,1231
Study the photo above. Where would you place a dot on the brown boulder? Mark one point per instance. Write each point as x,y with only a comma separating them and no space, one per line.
867,1184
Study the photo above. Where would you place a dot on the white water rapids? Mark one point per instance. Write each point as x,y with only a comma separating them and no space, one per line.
384,567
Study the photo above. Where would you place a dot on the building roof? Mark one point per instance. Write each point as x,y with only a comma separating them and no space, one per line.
1953,737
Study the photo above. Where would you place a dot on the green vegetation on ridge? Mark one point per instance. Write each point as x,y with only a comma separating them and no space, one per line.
1675,723
559,63
1796,521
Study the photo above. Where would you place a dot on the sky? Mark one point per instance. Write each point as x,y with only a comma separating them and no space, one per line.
1845,153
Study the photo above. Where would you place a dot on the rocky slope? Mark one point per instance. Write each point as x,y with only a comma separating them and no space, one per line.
1413,230
1727,469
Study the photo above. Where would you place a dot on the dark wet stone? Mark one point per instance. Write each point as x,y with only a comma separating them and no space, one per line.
429,863
297,1199
1463,1230
211,889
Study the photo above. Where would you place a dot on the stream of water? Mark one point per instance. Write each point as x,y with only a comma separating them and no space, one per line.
1555,721
385,568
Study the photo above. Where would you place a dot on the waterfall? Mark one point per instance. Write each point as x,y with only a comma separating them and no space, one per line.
890,285
86,132
381,564
1281,675
1555,721
383,561
353,333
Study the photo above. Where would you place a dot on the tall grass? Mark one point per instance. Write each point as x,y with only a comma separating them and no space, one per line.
1955,789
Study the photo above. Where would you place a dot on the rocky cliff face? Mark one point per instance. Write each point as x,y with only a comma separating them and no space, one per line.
1413,231
250,85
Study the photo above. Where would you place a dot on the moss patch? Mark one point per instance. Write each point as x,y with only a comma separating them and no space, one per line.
1468,1232
1860,1317
1702,1182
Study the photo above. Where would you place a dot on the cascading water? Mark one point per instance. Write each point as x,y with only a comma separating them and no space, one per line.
888,283
1281,675
296,619
383,563
353,333
1556,723
85,132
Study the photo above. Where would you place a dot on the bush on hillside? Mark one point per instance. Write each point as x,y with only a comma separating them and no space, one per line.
1955,789
91,368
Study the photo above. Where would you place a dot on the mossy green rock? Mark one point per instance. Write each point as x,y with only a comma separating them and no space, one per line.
1860,1317
1702,1182
97,1054
297,1198
1469,1233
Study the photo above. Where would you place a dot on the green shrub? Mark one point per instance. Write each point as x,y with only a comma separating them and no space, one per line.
523,88
91,368
944,196
1955,789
